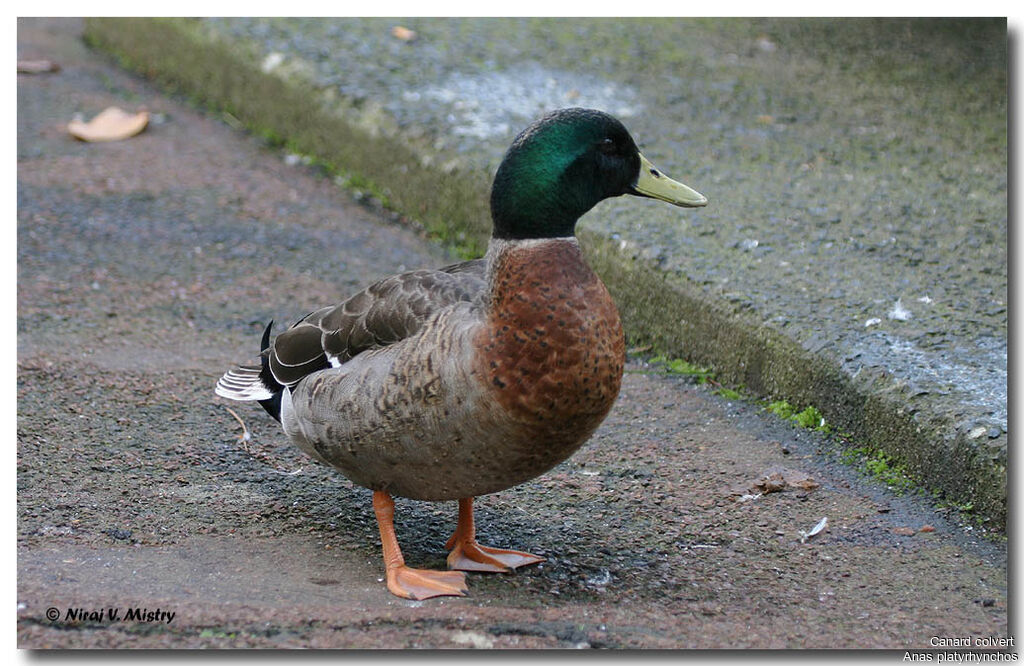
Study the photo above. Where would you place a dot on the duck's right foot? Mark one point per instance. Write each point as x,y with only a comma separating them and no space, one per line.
410,583
403,581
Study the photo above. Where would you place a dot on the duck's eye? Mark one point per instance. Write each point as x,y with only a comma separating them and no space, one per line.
607,146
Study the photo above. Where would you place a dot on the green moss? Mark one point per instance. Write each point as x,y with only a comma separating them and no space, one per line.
810,417
678,366
215,633
881,467
701,374
963,508
729,394
781,408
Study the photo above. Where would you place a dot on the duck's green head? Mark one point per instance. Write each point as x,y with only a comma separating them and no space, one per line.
559,167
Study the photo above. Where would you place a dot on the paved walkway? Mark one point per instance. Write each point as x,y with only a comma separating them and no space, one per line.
146,267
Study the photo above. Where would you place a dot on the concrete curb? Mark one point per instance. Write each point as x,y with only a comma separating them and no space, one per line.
672,315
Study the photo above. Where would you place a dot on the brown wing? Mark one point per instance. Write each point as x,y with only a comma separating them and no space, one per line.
380,315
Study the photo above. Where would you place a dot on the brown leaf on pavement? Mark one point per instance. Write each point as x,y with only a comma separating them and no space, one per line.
112,124
403,33
777,480
37,66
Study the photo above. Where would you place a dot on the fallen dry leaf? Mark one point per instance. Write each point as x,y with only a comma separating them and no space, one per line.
112,124
37,66
771,483
777,480
403,33
926,528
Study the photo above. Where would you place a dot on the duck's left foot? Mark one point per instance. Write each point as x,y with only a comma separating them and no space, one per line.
471,556
468,555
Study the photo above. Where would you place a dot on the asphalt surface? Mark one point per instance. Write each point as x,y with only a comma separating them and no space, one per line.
856,171
148,266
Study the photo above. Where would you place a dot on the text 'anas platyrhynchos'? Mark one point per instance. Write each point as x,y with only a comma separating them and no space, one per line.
452,383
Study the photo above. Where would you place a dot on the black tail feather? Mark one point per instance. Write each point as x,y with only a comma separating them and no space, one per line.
271,405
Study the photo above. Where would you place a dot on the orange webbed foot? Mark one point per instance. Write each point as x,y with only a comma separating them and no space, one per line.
404,581
471,556
468,555
410,583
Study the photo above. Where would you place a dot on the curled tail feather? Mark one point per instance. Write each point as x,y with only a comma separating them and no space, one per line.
254,382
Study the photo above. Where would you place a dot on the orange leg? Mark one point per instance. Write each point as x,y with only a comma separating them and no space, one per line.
468,555
402,580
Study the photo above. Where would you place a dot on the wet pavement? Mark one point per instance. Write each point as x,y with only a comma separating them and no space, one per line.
148,266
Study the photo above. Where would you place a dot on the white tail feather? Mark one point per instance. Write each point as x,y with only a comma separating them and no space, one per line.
243,383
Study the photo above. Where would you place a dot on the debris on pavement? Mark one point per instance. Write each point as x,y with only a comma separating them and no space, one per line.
111,124
899,312
37,67
775,480
403,33
822,524
245,436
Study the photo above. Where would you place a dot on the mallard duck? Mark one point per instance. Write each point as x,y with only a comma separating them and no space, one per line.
453,383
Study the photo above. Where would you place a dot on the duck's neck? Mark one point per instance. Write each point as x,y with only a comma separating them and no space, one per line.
501,250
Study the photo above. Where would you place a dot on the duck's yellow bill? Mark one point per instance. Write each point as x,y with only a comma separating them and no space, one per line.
654,184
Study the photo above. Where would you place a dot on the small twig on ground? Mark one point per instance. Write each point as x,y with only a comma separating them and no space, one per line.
245,437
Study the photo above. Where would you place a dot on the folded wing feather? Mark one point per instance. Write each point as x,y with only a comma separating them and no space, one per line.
380,315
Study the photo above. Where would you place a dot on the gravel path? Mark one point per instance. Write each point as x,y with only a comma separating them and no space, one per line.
146,267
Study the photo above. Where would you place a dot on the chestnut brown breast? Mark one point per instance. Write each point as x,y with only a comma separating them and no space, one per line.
552,349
